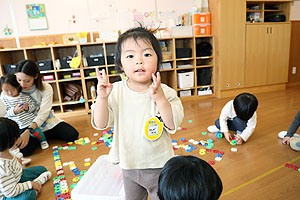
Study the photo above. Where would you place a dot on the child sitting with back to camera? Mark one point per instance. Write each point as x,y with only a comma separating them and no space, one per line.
290,137
237,115
16,182
143,111
20,107
189,178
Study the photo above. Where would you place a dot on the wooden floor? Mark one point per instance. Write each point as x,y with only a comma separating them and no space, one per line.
256,171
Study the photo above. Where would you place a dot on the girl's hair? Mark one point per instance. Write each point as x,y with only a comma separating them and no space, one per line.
245,105
9,133
10,79
138,33
30,68
188,177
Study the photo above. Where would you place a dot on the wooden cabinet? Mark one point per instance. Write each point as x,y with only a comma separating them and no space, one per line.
256,55
267,43
229,31
279,51
179,56
250,52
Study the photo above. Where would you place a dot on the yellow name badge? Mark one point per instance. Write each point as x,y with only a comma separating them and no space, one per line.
153,128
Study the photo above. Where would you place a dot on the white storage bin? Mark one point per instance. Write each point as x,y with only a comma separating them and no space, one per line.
103,181
185,79
185,93
204,91
182,31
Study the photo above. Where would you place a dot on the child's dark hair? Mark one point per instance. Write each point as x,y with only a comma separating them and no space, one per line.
9,133
30,68
138,33
188,178
10,79
245,105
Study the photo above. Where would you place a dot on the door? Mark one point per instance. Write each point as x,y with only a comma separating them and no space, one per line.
256,67
279,51
231,44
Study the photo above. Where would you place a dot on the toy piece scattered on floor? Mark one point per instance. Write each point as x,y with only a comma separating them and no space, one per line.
234,149
294,167
233,142
202,151
190,121
218,159
204,133
183,140
219,135
183,129
211,162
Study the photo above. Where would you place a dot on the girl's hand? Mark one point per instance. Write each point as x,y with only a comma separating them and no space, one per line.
19,108
25,106
103,87
239,139
36,186
227,136
286,140
156,90
23,140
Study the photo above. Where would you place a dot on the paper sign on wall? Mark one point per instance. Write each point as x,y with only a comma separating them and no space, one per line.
36,14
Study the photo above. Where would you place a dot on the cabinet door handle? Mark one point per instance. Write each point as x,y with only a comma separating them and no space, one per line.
267,30
271,30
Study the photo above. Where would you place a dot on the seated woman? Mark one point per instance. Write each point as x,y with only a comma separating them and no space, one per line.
30,79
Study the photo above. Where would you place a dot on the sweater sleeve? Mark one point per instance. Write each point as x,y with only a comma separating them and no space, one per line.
9,182
225,115
177,108
45,106
110,110
2,109
294,125
251,124
9,109
10,188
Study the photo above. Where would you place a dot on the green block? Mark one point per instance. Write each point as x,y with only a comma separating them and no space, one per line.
73,185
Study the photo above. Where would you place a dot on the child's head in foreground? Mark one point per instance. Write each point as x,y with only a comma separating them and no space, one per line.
10,85
138,46
188,178
245,105
9,133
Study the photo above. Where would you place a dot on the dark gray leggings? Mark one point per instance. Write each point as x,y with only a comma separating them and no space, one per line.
138,183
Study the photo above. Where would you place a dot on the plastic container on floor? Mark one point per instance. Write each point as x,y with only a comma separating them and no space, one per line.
103,181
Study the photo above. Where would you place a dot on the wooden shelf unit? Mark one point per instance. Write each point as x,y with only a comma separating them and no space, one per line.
106,50
260,10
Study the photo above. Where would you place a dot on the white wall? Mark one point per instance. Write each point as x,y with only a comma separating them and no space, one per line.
104,14
295,10
94,15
